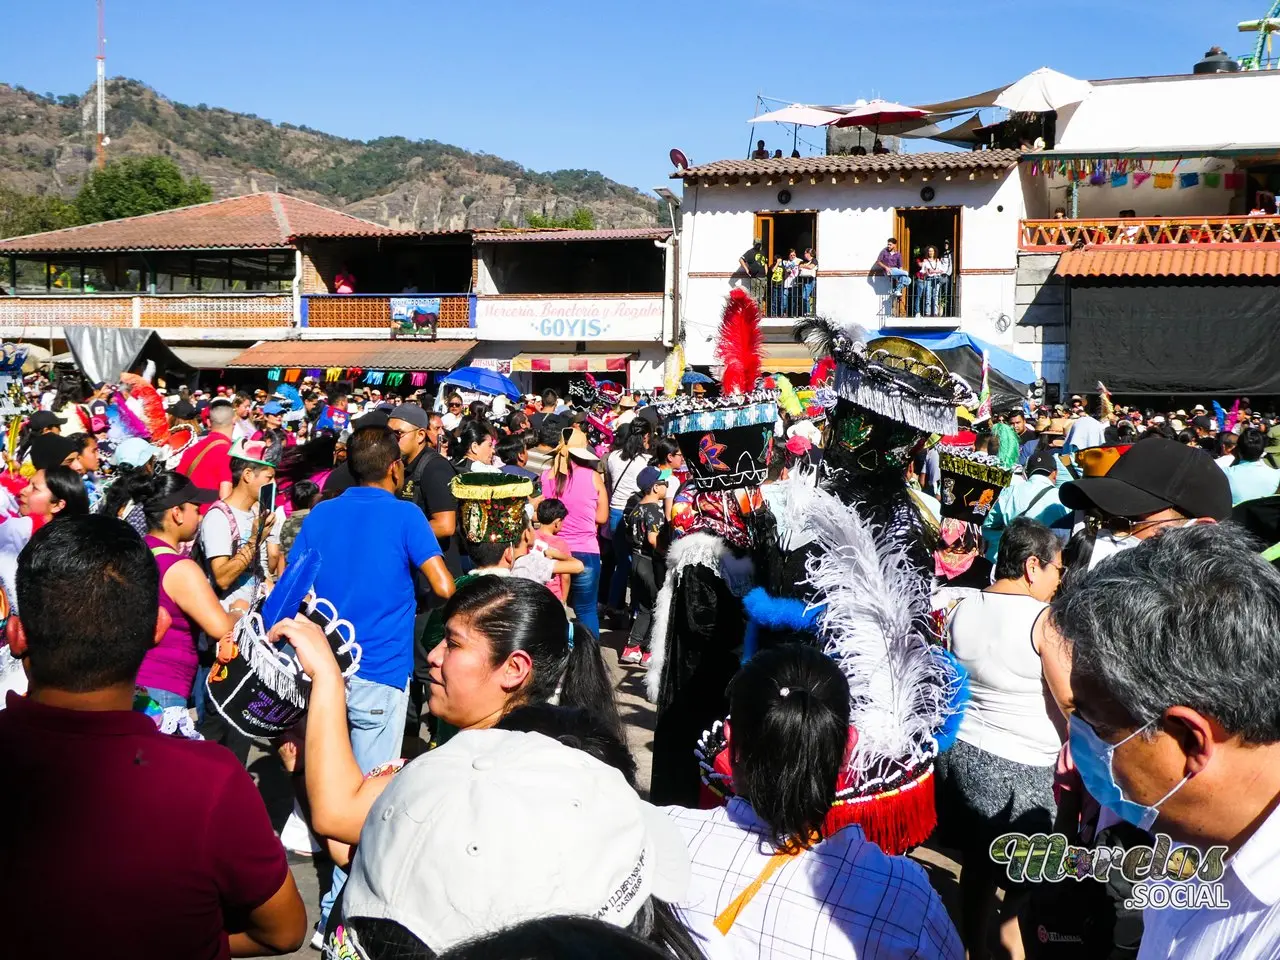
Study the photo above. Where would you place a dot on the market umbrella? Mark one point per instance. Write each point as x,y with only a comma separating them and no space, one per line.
483,381
877,112
801,113
1041,91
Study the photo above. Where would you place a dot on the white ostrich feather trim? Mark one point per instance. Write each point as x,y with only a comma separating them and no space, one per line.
875,602
790,503
696,549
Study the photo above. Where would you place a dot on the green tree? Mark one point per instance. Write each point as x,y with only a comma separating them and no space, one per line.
581,219
137,185
21,213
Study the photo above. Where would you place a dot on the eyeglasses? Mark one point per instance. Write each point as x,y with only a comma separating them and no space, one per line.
455,406
1123,527
405,433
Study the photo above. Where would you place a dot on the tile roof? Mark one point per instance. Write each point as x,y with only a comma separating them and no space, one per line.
369,354
1173,260
531,235
843,163
258,220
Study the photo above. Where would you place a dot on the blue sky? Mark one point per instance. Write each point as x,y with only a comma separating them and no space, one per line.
609,85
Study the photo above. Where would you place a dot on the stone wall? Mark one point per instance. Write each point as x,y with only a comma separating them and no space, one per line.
1041,310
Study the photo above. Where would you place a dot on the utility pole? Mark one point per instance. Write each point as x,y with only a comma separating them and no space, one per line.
102,88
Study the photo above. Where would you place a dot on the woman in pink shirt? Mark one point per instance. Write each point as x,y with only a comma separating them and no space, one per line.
170,504
573,480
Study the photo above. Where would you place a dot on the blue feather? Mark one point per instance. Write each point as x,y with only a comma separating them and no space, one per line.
780,612
950,729
292,588
1220,415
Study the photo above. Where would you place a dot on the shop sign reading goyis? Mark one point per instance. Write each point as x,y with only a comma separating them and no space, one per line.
569,318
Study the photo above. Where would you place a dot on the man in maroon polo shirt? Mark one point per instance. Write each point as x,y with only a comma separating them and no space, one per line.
121,841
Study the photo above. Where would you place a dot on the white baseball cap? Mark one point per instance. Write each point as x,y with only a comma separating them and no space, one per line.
497,827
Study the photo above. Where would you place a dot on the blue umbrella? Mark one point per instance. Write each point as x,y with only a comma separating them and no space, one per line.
483,381
693,376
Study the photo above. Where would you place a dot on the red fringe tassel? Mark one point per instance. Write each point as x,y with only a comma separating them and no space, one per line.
896,821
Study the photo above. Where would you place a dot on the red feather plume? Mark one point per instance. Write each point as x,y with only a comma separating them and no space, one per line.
153,412
822,371
738,347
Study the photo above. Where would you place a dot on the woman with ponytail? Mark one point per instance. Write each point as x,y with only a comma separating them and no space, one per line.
171,503
766,877
507,643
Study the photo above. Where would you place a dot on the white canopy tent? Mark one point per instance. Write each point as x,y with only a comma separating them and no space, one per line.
1041,91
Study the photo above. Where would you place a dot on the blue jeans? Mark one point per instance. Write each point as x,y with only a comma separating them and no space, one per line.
621,563
901,279
375,718
583,592
166,698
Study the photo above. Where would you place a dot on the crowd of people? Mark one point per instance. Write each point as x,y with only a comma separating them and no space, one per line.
1082,646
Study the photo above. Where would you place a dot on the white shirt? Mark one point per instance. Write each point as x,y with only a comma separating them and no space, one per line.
1249,929
844,899
1006,715
1085,433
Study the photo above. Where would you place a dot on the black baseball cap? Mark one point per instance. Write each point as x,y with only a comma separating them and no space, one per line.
412,414
1153,475
187,493
1041,461
44,419
49,450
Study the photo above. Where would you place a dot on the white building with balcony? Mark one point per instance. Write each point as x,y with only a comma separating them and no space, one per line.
965,205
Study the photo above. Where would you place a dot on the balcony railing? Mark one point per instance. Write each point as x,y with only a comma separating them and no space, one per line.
224,311
779,302
1050,235
927,297
356,310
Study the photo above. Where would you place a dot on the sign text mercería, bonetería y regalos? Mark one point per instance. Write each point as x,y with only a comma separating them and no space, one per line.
630,319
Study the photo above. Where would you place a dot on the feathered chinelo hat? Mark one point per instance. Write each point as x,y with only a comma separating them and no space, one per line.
870,613
886,394
727,440
259,689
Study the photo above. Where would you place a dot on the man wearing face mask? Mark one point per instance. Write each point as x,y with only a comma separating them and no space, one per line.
1173,722
1156,485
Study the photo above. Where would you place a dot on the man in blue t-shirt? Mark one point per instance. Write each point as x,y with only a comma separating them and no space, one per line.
389,538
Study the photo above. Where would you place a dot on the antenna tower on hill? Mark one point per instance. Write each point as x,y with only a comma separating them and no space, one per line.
102,87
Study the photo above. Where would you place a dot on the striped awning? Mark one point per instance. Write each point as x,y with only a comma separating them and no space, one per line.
786,358
570,362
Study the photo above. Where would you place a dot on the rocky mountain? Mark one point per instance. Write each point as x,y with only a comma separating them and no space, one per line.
47,146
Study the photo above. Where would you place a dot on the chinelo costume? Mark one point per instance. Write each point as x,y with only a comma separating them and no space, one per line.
857,581
723,537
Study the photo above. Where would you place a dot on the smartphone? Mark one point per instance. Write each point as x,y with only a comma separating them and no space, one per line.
267,499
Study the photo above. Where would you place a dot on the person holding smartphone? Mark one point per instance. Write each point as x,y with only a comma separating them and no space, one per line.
236,532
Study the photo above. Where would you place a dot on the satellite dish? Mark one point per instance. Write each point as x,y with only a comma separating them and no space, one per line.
678,159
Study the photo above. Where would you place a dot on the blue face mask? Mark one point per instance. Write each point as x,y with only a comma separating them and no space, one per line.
1092,758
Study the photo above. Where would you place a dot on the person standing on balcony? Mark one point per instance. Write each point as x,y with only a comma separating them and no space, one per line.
344,281
931,270
790,271
945,279
890,261
808,271
753,264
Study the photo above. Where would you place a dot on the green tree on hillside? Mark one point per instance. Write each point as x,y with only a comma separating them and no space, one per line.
581,219
137,185
21,214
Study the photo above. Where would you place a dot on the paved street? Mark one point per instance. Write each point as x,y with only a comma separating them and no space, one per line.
637,714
